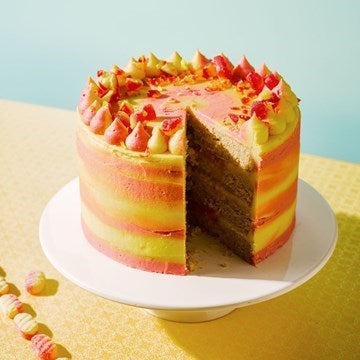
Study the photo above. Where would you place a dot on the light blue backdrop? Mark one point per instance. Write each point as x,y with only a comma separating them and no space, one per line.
49,48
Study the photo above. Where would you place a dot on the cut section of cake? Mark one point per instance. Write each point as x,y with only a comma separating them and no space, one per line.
167,144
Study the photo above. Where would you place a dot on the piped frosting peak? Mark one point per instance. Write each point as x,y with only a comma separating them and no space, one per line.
135,107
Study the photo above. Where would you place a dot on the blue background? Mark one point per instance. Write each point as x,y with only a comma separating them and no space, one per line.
49,48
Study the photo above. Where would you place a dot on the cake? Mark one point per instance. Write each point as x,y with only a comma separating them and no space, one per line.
164,145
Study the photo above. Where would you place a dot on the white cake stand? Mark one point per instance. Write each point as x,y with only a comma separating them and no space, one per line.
221,282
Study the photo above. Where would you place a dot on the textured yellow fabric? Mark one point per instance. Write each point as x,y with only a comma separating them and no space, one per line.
318,320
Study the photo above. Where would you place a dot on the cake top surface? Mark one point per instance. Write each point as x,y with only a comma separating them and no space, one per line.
141,109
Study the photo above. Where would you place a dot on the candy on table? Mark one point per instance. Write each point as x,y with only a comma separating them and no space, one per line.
35,282
44,347
4,286
10,305
26,325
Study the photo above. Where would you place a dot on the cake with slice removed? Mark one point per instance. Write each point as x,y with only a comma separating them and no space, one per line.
163,144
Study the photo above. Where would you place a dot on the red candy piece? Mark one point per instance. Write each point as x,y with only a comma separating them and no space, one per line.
133,84
153,93
146,113
271,81
169,126
223,66
234,117
274,98
126,107
256,81
150,112
259,108
102,90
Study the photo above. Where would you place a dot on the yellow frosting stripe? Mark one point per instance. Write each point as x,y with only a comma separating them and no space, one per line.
151,214
156,247
265,196
273,229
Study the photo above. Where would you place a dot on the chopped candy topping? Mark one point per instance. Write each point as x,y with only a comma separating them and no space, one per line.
150,112
102,90
123,117
146,113
271,80
209,71
274,98
169,126
259,108
116,70
256,81
234,117
126,107
153,93
133,84
261,94
223,66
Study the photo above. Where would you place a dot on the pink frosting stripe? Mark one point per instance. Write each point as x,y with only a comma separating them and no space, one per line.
118,224
274,245
291,145
280,203
136,262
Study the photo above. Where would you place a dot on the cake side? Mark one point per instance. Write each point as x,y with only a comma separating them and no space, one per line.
276,197
131,148
132,208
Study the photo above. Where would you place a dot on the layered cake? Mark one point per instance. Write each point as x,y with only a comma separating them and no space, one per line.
167,144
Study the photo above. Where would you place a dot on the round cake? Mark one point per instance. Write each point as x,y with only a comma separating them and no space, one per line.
167,144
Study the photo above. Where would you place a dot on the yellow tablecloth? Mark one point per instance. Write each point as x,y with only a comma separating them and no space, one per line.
318,320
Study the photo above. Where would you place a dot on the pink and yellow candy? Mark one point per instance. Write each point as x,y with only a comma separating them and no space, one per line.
35,282
10,305
26,325
44,347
